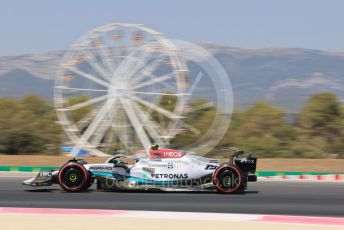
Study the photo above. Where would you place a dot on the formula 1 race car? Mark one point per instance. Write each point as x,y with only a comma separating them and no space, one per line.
158,170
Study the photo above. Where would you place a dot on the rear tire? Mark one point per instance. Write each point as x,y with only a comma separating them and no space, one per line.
73,177
228,179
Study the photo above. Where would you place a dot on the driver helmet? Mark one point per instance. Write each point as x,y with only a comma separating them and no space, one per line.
154,146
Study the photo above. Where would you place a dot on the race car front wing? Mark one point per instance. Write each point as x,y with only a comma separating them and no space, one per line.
42,179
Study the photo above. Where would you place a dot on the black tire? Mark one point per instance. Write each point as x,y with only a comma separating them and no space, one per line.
73,177
228,179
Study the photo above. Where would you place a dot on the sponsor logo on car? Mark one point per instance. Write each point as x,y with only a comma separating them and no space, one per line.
156,159
101,168
172,154
169,165
247,161
158,165
165,153
45,174
147,169
170,176
210,167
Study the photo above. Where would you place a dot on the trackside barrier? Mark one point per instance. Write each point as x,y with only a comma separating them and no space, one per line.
301,176
26,168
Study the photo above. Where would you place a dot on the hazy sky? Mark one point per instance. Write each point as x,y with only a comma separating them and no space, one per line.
42,25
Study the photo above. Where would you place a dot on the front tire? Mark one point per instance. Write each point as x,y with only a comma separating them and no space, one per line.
73,177
228,179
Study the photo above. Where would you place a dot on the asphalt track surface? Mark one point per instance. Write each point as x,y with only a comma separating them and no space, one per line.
264,197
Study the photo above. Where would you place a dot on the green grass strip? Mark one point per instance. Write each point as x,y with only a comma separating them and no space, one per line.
279,173
26,168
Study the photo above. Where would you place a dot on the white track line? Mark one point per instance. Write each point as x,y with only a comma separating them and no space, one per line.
198,216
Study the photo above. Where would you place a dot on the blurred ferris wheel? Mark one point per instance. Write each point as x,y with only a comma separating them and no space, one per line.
122,86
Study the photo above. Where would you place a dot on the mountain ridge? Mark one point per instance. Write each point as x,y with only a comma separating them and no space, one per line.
284,77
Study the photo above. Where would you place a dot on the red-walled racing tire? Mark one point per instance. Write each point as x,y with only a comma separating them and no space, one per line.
228,179
73,177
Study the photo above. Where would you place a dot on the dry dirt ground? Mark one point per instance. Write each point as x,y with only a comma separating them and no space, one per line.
275,164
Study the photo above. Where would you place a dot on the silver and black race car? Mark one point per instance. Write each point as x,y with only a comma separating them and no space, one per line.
159,170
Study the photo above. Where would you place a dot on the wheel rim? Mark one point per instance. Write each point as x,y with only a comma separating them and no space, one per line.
227,180
73,178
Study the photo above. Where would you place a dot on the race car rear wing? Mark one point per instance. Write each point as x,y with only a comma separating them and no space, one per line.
246,162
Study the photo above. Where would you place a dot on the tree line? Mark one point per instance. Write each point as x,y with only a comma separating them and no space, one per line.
316,131
28,126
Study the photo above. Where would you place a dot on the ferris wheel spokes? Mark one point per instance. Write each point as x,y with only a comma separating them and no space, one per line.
155,79
105,56
150,126
93,63
118,79
84,121
145,61
72,89
103,111
88,76
167,85
85,103
146,71
100,132
158,93
158,109
137,125
186,100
